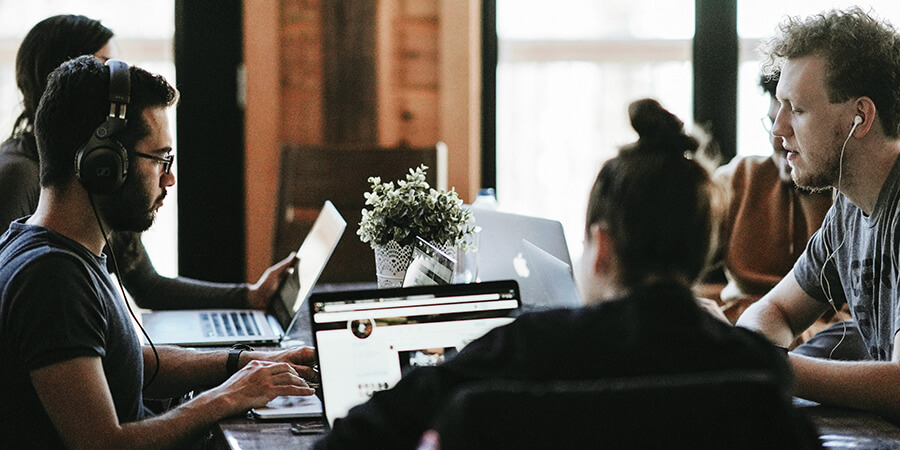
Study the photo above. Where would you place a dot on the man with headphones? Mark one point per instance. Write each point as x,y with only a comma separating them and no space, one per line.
840,122
73,370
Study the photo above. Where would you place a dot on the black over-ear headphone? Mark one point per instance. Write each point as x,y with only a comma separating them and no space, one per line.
101,164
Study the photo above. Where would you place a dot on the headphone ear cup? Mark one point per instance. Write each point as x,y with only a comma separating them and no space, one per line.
101,166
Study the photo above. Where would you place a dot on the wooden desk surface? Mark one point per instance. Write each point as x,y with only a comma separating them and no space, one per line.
850,428
249,434
838,428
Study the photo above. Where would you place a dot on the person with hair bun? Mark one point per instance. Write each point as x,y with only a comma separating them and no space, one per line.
648,234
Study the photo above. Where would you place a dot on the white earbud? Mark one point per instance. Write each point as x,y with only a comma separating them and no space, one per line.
856,121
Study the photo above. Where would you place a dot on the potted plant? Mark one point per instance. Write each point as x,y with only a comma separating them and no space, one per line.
399,213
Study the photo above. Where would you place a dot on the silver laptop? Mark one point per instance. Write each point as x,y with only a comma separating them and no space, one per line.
366,340
549,281
530,250
212,327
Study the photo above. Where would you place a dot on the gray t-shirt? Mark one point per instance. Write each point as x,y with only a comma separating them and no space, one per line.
856,249
57,302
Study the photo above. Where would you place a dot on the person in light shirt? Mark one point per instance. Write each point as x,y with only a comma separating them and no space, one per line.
839,118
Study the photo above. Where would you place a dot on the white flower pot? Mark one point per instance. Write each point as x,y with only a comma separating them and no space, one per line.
392,260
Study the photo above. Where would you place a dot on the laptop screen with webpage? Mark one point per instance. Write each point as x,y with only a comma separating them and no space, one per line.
367,339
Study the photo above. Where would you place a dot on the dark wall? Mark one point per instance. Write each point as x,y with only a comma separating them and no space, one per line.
716,71
489,56
210,137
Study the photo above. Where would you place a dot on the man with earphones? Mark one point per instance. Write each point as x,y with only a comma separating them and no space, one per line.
73,371
840,122
765,210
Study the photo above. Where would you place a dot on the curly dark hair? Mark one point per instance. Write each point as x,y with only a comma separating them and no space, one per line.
656,199
769,82
862,55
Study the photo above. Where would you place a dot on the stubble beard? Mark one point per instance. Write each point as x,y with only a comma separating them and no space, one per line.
825,178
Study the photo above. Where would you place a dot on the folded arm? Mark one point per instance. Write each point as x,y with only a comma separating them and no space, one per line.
787,311
865,385
783,313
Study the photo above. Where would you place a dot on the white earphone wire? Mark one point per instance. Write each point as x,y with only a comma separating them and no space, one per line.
823,281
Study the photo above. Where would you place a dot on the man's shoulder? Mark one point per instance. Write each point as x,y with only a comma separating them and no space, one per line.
18,147
15,160
24,245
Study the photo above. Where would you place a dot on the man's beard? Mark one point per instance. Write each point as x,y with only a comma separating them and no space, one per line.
129,209
826,177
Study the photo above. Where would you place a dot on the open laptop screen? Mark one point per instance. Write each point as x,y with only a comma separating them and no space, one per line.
308,265
367,340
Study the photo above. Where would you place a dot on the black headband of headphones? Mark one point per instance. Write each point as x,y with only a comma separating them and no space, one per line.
119,97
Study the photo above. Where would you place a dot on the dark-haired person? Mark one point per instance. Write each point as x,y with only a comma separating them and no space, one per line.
73,367
47,45
840,122
647,238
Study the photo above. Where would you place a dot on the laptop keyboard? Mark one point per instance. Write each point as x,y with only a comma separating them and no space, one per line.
229,324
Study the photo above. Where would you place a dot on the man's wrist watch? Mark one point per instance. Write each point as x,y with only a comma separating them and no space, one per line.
231,364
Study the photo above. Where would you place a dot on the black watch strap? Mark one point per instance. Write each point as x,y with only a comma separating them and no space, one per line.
231,364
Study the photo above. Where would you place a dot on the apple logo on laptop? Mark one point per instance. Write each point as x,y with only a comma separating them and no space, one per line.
521,266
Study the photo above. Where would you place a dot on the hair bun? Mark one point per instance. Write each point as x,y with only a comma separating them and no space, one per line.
659,130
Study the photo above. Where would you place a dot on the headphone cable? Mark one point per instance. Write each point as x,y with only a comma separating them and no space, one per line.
124,297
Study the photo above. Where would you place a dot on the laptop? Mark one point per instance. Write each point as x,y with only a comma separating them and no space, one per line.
366,340
548,281
214,327
530,250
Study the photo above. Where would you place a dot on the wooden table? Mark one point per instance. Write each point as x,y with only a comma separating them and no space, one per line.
838,428
249,434
850,428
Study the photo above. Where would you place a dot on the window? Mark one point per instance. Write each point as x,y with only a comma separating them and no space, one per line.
566,73
758,20
144,32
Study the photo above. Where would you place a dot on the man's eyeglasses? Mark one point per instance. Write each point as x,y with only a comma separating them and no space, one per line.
766,123
165,162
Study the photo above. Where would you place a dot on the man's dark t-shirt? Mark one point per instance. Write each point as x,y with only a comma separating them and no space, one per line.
57,303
